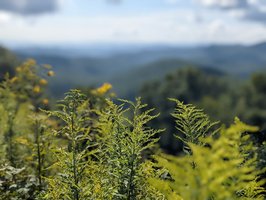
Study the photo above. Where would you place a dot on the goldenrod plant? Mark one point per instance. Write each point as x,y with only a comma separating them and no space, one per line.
221,170
39,143
9,109
21,93
19,99
125,138
30,81
71,180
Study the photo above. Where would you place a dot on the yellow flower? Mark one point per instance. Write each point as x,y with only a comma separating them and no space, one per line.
104,88
45,101
50,73
43,82
37,89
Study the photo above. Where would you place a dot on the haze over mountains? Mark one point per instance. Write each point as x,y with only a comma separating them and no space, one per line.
127,67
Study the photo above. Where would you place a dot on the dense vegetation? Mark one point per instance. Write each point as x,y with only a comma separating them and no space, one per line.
221,96
94,147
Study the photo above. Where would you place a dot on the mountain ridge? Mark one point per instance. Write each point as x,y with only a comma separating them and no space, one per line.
237,60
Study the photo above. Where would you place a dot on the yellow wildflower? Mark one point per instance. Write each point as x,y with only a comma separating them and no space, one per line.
104,88
37,89
50,73
43,82
45,101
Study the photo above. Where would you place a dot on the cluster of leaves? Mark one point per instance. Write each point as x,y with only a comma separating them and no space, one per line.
23,134
123,142
223,162
116,151
192,123
93,148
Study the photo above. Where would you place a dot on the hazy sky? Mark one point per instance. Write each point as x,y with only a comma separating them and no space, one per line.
132,21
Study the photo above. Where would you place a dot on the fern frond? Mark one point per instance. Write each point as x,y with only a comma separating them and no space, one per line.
192,123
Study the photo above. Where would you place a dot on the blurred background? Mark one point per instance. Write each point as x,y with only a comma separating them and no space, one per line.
211,53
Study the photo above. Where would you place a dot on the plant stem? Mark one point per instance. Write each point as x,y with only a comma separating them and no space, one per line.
9,137
39,167
74,161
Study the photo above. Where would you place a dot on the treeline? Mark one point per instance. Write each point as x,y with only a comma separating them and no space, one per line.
222,97
94,147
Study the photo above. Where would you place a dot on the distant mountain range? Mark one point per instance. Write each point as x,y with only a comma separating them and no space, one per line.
128,67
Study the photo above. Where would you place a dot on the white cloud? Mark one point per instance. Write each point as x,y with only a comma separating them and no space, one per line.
167,27
216,27
174,26
5,17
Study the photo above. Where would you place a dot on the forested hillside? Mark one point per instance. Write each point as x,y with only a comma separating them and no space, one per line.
142,64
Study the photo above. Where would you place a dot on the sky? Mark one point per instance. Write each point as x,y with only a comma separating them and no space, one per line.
183,22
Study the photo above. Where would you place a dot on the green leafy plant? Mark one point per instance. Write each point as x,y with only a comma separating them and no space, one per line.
71,180
20,95
38,143
218,170
124,141
192,123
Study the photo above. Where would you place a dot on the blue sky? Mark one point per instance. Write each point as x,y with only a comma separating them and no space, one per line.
132,21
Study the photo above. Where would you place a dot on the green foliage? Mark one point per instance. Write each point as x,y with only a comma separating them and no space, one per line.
10,107
71,180
124,141
95,148
38,144
20,95
253,108
219,170
192,122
